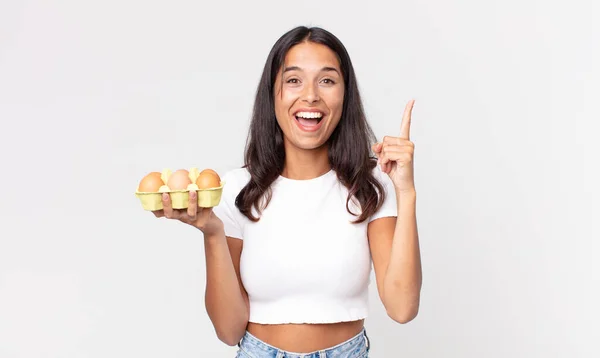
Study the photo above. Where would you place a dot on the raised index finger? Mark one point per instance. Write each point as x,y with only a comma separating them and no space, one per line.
406,118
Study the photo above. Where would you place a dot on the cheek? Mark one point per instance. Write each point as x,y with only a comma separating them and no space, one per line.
282,108
288,97
283,104
336,102
284,98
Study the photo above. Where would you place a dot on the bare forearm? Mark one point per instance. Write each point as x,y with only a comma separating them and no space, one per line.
225,304
402,285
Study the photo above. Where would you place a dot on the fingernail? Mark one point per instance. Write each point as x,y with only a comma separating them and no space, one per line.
165,196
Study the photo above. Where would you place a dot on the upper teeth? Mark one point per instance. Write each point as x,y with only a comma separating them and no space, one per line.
309,114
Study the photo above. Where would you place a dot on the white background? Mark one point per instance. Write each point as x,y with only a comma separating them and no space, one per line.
93,95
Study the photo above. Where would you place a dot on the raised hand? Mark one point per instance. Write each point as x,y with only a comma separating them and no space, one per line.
395,154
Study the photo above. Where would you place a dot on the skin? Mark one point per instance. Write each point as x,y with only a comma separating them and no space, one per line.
310,79
315,82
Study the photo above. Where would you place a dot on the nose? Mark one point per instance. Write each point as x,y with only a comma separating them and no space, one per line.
311,93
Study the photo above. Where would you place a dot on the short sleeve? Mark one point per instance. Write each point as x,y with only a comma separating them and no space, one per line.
226,210
389,208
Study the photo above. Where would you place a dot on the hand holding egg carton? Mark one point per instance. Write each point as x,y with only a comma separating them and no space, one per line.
178,185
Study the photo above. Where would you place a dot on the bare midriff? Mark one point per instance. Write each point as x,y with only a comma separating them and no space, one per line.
305,338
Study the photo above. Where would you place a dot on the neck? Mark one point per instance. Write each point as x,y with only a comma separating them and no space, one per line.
303,164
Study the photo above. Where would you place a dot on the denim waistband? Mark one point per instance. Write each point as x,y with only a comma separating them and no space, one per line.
355,347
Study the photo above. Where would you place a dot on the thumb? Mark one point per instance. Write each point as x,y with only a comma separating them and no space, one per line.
376,147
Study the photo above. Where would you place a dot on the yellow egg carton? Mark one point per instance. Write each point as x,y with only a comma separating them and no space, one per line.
207,198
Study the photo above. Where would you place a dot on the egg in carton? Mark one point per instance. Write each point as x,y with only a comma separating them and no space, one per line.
178,185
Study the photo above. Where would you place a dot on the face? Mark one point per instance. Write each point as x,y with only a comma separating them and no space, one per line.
309,94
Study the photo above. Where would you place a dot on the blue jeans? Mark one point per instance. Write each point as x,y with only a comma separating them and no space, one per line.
356,347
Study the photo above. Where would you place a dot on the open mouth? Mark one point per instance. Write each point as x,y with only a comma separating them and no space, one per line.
309,119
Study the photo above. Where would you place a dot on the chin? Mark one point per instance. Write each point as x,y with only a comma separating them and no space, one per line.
307,145
304,143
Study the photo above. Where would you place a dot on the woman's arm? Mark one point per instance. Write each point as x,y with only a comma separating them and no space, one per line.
402,283
225,298
396,256
395,241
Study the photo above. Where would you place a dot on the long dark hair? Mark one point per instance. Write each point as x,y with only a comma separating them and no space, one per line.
349,144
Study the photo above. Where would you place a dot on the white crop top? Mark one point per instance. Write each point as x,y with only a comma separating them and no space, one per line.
304,261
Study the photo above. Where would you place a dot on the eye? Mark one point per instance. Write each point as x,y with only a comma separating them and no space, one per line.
328,81
292,80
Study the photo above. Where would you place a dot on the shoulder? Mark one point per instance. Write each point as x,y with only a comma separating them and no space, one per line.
235,179
388,206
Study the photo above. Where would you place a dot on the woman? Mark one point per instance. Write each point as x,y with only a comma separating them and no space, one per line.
290,246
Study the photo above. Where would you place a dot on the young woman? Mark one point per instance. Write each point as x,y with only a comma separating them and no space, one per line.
290,246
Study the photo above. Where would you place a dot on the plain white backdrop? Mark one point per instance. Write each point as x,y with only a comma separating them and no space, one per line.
93,95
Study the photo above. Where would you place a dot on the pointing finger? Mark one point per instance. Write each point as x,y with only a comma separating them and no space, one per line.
406,119
387,140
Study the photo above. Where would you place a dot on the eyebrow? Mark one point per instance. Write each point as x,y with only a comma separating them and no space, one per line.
296,68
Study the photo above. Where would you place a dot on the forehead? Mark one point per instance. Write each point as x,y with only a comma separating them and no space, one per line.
310,55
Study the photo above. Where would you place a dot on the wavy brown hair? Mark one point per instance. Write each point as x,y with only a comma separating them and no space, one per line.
349,144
